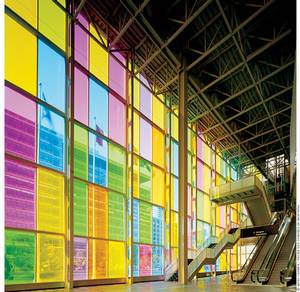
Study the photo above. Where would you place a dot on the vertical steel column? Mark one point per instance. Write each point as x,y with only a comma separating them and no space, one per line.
183,247
70,142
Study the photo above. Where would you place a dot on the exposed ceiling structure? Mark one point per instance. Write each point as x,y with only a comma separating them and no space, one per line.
240,57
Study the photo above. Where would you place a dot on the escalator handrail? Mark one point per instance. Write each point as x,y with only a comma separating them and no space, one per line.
272,254
246,266
287,273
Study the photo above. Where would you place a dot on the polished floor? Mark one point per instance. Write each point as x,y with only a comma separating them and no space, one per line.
218,284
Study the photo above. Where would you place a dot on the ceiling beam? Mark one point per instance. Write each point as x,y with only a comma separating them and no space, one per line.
187,22
252,124
275,72
128,23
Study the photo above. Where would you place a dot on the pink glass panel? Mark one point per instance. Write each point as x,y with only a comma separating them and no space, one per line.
145,139
145,99
199,148
81,106
81,53
189,201
80,268
117,75
189,232
222,216
145,260
20,118
200,184
19,195
116,120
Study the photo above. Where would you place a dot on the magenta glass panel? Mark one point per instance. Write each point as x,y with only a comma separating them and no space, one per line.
145,260
19,195
189,201
199,148
145,139
145,99
81,97
80,269
81,52
20,118
117,120
117,74
189,232
200,184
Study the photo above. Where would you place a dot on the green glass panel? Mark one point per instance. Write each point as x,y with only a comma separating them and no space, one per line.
116,168
80,152
80,208
19,257
145,180
116,216
145,220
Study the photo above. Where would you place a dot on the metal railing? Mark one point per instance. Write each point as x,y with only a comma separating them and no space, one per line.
262,275
286,274
240,275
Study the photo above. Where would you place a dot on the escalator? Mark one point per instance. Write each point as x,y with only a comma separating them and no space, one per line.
256,257
276,258
284,254
251,192
288,274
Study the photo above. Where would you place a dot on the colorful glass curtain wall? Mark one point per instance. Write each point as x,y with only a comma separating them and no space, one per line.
125,168
35,152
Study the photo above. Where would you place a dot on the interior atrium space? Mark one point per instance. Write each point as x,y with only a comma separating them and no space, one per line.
149,145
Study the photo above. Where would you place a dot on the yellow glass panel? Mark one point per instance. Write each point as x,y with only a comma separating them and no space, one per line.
26,9
98,212
136,92
158,186
20,56
136,133
174,127
98,259
158,148
158,112
174,254
98,58
223,261
174,229
207,178
50,201
50,258
52,22
207,153
136,176
218,164
207,209
117,259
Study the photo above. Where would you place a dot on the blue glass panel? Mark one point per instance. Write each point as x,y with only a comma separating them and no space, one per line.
233,174
157,265
98,160
174,163
98,108
157,219
51,128
51,76
136,262
135,220
206,231
218,264
175,194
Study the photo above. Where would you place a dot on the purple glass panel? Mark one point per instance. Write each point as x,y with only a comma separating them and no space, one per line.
19,195
145,140
20,117
81,97
80,269
117,75
145,99
82,42
200,175
116,120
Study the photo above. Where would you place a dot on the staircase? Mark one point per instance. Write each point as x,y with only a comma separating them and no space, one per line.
283,257
249,190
